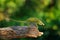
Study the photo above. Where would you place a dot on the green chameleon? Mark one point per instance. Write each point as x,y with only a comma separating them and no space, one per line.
35,21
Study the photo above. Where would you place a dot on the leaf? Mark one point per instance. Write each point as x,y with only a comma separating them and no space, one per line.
2,17
20,2
11,4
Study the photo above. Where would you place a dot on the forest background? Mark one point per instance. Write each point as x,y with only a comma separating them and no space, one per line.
46,10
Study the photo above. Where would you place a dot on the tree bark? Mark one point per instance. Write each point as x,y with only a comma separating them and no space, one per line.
9,33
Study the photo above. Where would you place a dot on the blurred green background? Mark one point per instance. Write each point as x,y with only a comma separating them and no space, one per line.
46,10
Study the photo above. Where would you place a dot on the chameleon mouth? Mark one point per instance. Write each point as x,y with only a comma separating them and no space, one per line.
41,23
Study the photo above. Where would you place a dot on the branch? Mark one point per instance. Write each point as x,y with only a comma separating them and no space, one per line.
22,32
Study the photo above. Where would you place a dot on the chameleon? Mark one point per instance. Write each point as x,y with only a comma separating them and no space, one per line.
24,31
